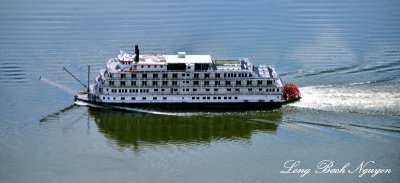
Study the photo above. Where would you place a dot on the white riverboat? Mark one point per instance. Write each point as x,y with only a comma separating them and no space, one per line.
184,80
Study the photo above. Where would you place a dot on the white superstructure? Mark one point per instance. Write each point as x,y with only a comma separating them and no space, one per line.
133,79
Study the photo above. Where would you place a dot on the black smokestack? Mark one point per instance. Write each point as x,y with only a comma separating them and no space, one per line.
136,53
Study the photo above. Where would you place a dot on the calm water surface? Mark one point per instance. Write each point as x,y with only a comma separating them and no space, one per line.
345,56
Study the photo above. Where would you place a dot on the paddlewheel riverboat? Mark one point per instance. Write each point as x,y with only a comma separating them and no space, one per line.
184,80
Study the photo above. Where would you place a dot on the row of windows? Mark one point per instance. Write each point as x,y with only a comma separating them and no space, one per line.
142,66
215,98
134,98
184,90
165,98
132,90
175,75
175,83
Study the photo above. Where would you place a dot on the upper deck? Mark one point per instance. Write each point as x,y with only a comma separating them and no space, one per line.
128,62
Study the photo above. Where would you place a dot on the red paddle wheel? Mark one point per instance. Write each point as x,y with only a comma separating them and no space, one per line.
291,92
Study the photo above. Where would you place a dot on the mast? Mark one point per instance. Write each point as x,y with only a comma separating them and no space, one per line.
76,78
88,77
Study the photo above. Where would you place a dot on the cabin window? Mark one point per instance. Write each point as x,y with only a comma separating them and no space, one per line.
154,83
195,82
174,75
133,83
133,98
277,90
228,89
174,83
194,89
148,66
156,90
269,82
154,98
260,89
227,83
133,75
114,98
122,83
155,75
208,98
165,75
225,98
237,89
141,66
207,89
250,89
164,83
123,75
175,90
217,75
143,98
193,98
144,83
214,98
183,75
111,83
215,89
217,82
196,75
206,83
144,75
204,98
236,98
259,82
248,82
122,98
238,83
206,75
230,98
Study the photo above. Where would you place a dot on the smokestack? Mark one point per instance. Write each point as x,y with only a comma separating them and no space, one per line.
136,53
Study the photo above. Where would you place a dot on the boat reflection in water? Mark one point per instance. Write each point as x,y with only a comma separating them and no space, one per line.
137,129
